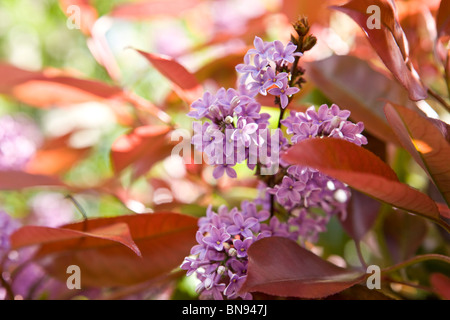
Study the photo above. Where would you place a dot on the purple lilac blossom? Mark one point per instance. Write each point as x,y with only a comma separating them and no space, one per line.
282,53
232,131
219,259
261,65
326,122
19,140
51,210
30,280
262,48
304,188
235,129
284,92
7,226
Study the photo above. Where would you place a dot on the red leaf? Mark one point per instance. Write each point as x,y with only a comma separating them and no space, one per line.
388,41
163,239
37,235
354,85
88,14
315,11
363,171
185,83
425,142
16,180
443,19
443,127
97,42
55,157
144,146
279,266
55,161
149,9
443,34
221,69
42,90
443,210
441,285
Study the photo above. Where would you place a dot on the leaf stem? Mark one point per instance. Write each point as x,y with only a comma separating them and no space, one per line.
417,259
145,105
442,223
5,284
80,209
360,255
438,98
412,285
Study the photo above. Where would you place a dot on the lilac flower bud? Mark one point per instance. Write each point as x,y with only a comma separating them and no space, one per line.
221,270
232,252
228,120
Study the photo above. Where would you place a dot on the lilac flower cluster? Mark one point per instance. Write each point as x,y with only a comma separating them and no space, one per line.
309,187
300,189
261,70
19,139
220,257
47,209
294,202
325,122
237,131
50,209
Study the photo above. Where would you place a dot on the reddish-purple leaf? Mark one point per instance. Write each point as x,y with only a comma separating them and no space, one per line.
45,90
359,292
425,142
163,239
145,146
363,171
441,285
443,19
404,234
354,85
280,267
388,41
38,235
443,34
443,127
362,211
148,9
17,180
444,210
185,83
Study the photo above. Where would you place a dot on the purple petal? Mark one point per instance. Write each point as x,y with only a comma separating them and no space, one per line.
218,172
231,172
284,101
251,128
